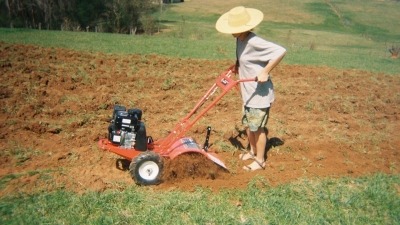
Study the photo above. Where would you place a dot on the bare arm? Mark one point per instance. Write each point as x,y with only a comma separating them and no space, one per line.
264,75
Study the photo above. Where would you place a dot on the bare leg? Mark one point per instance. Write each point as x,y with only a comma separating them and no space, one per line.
252,141
258,140
251,154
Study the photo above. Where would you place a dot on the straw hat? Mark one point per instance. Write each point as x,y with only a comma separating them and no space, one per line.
238,20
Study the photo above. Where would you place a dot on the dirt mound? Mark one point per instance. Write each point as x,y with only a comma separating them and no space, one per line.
57,103
191,166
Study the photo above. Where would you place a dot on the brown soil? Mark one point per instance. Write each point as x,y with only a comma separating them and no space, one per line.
56,104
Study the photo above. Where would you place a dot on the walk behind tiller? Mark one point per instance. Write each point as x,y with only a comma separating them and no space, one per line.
127,136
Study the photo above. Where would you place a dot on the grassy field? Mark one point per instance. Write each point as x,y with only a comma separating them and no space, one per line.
368,200
341,34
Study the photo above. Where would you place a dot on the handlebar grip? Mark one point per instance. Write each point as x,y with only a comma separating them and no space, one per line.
255,79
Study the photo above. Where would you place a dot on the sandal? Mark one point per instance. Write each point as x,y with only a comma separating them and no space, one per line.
256,165
246,156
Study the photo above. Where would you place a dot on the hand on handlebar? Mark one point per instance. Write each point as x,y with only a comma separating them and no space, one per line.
262,78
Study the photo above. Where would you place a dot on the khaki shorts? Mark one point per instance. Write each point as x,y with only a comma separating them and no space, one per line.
255,118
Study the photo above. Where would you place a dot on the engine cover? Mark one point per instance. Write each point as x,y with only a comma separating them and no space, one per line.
126,129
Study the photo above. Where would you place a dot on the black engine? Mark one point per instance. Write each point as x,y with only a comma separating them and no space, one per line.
126,129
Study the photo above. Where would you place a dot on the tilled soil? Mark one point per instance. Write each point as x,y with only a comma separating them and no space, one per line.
57,103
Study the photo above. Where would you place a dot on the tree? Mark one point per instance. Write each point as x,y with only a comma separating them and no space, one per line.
120,16
90,12
125,15
35,13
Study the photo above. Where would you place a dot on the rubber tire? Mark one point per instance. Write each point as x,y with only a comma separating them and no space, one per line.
146,168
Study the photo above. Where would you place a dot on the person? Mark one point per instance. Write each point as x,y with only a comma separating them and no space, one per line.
255,58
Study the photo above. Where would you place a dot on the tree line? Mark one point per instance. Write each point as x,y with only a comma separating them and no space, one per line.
117,16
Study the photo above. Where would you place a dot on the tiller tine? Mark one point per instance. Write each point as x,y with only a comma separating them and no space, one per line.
188,145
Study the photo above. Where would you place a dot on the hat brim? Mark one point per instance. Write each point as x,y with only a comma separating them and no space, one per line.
222,25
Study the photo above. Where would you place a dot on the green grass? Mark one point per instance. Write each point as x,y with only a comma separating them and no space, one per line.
336,54
369,200
115,43
339,34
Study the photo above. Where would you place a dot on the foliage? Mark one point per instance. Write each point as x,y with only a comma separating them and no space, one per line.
34,14
120,16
